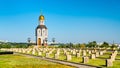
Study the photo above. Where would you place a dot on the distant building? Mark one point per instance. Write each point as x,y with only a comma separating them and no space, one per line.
119,45
100,43
4,41
41,32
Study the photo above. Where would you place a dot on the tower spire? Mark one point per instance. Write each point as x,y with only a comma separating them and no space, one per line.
41,19
41,31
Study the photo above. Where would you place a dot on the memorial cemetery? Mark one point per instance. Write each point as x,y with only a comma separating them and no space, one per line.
99,57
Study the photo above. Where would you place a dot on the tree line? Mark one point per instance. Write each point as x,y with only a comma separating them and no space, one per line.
92,44
13,45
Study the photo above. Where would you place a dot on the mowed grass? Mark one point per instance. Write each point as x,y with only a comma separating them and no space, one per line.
1,51
101,61
19,61
33,63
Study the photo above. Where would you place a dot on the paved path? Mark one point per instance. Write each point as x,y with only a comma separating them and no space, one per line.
77,65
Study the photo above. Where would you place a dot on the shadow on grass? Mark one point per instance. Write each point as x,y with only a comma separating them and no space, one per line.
102,58
5,52
103,65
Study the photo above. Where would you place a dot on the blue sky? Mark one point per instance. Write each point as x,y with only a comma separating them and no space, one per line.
67,20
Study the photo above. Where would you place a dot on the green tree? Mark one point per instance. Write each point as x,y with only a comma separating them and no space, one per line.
105,44
114,46
76,45
82,46
92,44
53,40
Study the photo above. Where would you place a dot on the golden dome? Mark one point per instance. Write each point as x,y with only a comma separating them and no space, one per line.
41,17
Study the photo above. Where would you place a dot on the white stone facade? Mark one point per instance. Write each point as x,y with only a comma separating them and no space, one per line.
41,33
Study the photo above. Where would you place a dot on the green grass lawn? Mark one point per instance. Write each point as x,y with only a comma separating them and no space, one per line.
18,61
97,62
1,51
77,60
118,57
116,64
100,61
62,57
52,55
43,55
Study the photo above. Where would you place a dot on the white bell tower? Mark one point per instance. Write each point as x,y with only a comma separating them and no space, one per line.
41,32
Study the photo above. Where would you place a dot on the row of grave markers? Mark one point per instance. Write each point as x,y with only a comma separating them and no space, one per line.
67,52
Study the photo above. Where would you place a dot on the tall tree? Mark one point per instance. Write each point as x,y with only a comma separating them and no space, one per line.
92,44
105,44
29,40
82,46
53,40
